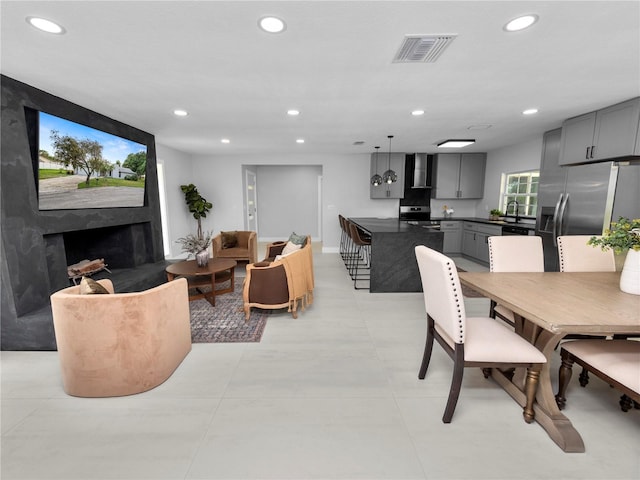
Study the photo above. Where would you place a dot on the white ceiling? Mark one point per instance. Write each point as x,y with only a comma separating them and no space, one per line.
137,61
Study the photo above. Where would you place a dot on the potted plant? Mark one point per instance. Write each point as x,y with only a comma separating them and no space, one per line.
198,246
624,236
199,206
495,214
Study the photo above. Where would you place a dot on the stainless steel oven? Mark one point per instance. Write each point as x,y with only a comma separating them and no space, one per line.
418,213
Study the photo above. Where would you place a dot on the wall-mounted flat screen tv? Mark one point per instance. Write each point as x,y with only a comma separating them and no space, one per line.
80,167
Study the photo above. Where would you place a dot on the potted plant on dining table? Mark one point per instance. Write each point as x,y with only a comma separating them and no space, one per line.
623,237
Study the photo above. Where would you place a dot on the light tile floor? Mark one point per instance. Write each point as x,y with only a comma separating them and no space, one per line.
333,394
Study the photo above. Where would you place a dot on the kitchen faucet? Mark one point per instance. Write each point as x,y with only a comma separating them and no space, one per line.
516,209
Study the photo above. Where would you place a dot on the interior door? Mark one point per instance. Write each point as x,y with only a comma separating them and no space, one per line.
251,206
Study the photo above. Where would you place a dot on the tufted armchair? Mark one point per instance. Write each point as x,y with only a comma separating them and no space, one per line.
246,248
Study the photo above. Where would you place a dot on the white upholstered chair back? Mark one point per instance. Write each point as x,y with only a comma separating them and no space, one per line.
576,256
442,292
516,253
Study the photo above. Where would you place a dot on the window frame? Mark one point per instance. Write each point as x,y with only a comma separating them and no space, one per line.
526,207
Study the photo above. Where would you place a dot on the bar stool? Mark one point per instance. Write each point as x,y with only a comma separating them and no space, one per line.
361,256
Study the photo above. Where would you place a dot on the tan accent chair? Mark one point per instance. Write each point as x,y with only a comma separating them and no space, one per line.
576,256
245,251
284,283
121,343
616,362
479,342
513,253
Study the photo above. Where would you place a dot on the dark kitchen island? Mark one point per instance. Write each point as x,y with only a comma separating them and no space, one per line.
393,260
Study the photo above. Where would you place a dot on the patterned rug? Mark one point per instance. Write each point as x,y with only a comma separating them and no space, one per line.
468,291
225,323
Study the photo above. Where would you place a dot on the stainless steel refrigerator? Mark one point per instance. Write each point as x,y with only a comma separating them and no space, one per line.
582,199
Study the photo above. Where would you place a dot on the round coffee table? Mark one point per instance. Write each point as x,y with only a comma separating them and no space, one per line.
218,270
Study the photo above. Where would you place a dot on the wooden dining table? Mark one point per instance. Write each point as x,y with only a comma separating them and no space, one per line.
548,306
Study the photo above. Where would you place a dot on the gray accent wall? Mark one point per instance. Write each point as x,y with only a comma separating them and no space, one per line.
34,258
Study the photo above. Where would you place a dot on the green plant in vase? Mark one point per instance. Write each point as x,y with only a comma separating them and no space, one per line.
624,236
621,236
495,214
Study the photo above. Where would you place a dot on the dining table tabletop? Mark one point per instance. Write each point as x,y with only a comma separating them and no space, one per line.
549,306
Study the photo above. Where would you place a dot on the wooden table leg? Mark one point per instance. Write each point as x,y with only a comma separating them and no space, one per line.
547,413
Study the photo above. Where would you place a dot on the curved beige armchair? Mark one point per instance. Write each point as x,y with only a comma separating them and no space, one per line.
122,343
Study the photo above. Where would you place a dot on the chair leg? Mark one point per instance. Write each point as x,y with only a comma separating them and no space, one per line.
428,348
564,375
530,387
625,403
456,384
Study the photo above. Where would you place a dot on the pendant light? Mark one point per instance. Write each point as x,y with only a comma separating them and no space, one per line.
389,176
376,180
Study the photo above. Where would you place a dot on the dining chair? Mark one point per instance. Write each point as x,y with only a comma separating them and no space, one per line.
577,256
479,342
513,253
616,362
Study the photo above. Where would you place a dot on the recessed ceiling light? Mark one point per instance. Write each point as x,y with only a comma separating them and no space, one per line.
300,140
530,111
520,23
272,24
180,113
293,113
417,113
480,126
455,143
225,140
45,25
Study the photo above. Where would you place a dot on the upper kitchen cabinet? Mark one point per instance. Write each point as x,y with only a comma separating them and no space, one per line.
388,190
459,175
601,135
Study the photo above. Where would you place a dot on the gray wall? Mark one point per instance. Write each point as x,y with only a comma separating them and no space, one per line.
288,201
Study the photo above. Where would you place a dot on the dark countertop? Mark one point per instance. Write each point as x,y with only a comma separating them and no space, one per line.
393,225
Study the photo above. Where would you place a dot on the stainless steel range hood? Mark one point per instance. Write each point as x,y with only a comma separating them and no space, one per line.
420,177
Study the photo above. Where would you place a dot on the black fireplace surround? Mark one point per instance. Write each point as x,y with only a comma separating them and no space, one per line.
38,245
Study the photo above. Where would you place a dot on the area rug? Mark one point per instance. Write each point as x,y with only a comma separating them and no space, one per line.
468,291
225,322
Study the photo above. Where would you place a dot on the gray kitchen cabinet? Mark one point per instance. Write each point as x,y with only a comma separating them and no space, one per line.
452,240
391,190
475,239
601,135
459,175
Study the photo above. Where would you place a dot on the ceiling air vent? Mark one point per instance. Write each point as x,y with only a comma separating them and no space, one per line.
422,48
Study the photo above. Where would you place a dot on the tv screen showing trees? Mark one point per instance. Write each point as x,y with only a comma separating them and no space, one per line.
81,167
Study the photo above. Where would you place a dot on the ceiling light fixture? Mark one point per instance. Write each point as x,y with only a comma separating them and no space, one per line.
300,140
456,143
376,179
479,126
225,140
389,176
530,111
521,22
417,113
272,24
293,113
180,113
45,25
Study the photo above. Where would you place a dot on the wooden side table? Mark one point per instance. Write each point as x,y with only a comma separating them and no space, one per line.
218,270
